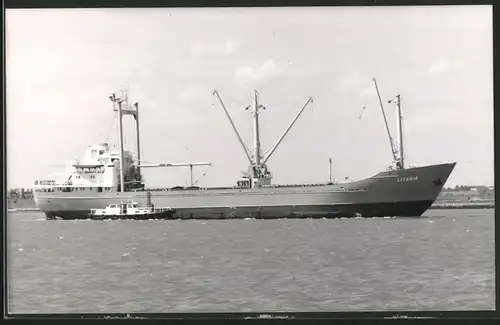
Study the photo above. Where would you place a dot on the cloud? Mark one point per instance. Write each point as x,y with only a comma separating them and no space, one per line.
353,81
463,119
201,48
189,94
265,71
368,91
231,47
441,66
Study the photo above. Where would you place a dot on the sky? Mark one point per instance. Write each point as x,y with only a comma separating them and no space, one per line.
63,64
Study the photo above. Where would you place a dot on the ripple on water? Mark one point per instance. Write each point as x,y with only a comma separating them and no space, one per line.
441,263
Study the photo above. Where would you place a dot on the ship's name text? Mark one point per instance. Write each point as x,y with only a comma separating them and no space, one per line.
407,179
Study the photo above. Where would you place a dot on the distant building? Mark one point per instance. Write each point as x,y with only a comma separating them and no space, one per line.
462,193
20,193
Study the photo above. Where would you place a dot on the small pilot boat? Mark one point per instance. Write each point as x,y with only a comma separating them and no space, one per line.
131,210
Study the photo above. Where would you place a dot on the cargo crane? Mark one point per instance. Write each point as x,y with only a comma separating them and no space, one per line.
121,106
397,153
258,175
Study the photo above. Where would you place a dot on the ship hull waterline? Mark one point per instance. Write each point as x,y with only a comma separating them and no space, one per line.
401,193
149,216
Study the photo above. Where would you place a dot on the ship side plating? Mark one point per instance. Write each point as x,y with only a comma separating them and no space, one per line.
407,192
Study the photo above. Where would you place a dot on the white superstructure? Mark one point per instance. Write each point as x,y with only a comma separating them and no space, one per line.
99,171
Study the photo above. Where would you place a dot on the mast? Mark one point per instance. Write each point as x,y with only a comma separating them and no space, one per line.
400,132
330,170
391,142
124,109
256,140
401,159
120,132
136,117
118,101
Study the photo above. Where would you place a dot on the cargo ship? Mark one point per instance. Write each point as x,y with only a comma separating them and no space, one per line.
109,176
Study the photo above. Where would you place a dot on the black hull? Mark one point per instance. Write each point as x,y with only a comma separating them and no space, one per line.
398,209
390,209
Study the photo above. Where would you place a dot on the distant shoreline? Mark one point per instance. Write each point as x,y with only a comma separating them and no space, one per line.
461,206
23,209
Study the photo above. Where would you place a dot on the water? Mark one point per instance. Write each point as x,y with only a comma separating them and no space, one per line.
443,262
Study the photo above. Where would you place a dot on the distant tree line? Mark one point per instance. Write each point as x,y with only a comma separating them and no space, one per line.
465,188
